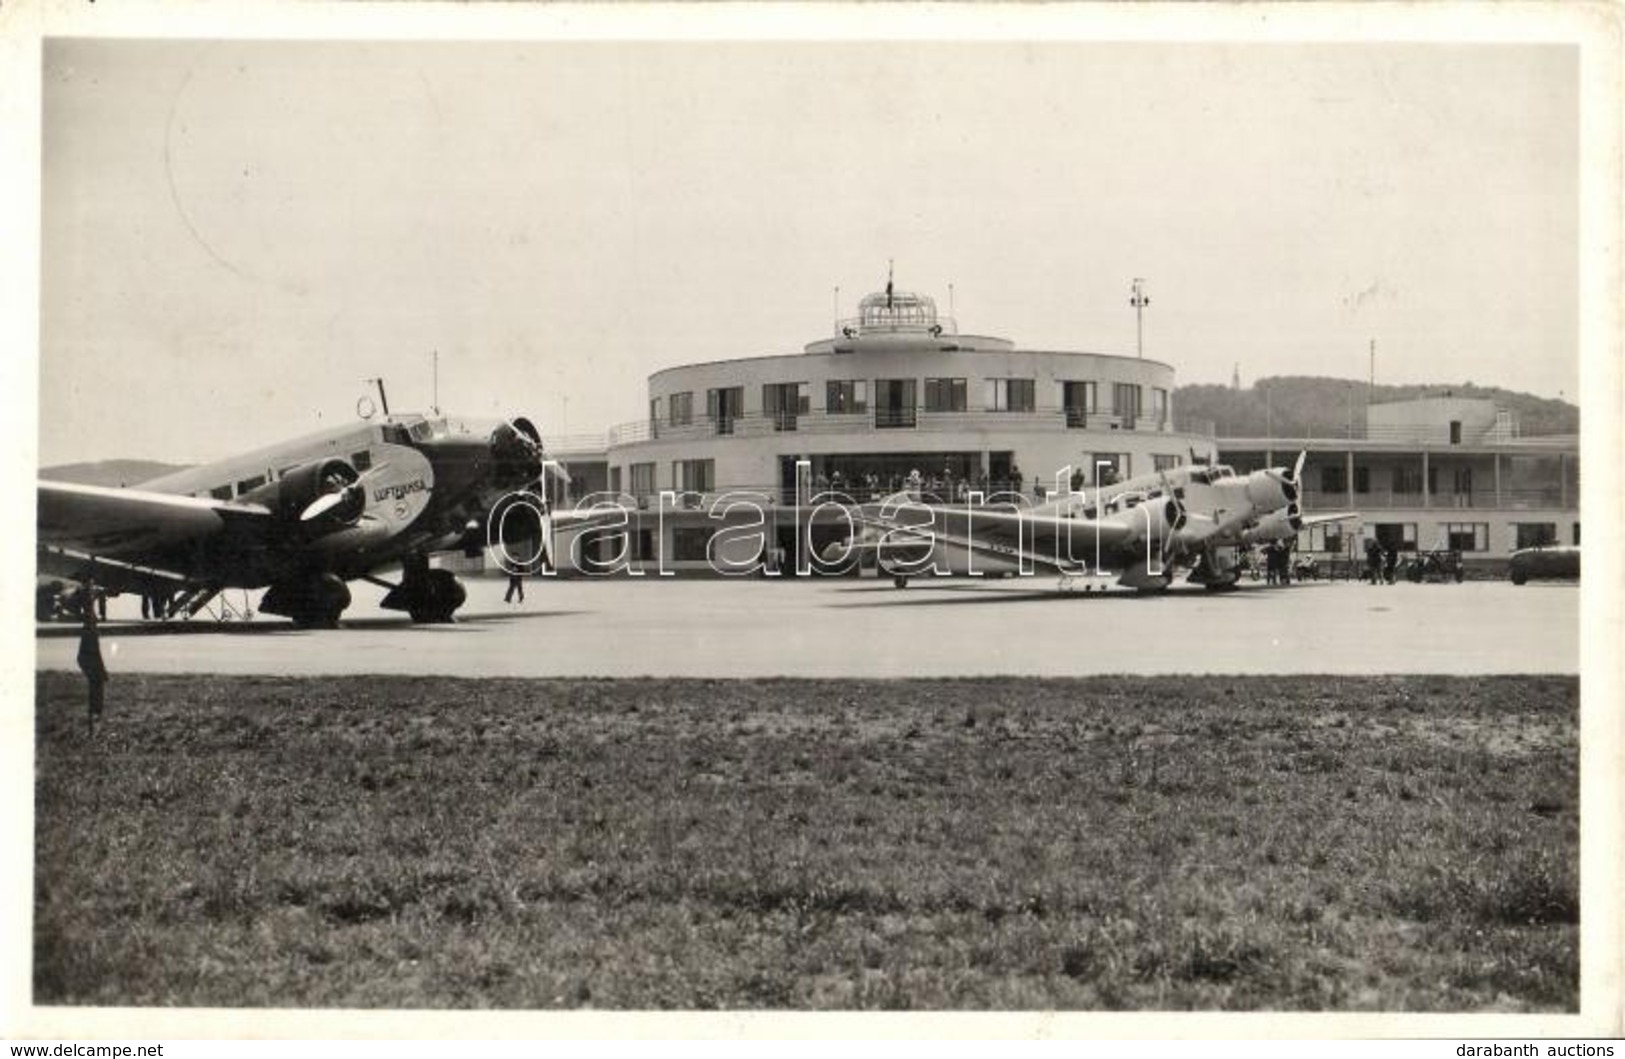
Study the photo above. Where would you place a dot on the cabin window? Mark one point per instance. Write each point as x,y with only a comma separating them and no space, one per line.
248,485
361,460
221,492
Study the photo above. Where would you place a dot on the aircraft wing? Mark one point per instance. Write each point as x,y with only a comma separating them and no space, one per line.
132,539
1048,540
1340,516
127,524
574,520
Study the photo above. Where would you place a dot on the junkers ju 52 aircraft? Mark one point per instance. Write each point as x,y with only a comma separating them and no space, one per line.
302,518
1148,527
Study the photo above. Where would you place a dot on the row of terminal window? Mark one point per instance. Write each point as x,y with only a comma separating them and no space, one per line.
1455,536
361,461
852,397
1405,479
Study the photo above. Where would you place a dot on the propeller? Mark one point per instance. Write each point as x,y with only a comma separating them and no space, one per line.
338,497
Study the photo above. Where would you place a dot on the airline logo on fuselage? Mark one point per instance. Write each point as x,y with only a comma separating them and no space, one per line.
399,490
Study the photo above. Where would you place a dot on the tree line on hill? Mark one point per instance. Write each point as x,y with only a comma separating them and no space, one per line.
1317,406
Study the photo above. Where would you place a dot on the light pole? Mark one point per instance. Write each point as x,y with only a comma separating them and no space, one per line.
1139,301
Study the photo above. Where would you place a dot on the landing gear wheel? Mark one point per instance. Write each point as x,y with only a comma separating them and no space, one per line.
899,581
313,603
436,599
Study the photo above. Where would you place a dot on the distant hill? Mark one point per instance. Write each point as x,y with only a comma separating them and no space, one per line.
1315,406
110,472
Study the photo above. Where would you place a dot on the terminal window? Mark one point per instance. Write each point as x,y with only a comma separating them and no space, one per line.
1165,463
688,543
845,396
1535,534
694,476
1127,401
1109,468
1334,479
945,395
1326,537
1010,395
681,406
1467,536
643,479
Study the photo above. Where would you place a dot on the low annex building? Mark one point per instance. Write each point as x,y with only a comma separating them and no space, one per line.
1431,474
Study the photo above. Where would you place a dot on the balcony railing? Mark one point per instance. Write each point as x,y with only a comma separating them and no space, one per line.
1509,499
917,418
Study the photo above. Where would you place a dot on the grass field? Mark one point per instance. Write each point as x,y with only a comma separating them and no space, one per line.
1120,843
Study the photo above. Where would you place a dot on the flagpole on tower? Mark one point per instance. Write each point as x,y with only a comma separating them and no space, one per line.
1139,301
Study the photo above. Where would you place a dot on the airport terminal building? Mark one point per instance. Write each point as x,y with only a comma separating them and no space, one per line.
1433,474
898,390
894,391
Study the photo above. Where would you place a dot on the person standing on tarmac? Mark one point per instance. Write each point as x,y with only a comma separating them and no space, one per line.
90,656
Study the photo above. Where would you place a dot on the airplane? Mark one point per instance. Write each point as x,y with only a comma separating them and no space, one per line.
1148,527
303,517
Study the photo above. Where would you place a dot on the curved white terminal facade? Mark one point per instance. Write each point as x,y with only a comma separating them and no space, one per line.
898,389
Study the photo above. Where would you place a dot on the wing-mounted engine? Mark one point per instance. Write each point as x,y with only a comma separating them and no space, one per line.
1276,526
322,493
516,449
1157,520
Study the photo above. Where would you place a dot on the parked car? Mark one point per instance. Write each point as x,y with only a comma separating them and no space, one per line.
1555,561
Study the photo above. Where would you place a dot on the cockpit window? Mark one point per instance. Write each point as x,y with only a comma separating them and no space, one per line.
395,434
422,431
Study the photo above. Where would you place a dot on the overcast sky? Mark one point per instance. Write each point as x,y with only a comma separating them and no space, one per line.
244,231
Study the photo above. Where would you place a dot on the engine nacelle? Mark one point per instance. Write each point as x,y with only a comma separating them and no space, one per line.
292,495
1276,526
1157,521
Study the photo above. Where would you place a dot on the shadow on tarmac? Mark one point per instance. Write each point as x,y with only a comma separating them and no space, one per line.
273,626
